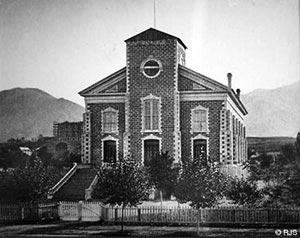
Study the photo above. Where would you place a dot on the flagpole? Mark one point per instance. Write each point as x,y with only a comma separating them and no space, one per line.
154,13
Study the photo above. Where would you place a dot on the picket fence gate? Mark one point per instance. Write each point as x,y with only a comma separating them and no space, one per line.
81,211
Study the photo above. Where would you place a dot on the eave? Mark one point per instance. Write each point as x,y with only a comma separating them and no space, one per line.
115,77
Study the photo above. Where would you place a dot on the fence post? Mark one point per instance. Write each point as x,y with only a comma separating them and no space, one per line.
233,215
80,210
198,217
116,214
139,214
22,213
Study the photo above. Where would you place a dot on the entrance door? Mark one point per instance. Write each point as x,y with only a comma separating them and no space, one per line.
151,148
200,148
110,151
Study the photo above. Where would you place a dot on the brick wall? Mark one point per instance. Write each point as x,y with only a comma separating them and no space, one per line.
96,133
214,109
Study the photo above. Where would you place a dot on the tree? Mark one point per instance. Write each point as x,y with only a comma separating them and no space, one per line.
297,145
272,172
123,183
243,191
163,173
29,183
12,158
293,182
201,183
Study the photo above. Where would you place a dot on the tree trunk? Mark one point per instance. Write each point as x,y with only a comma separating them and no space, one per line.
198,230
161,204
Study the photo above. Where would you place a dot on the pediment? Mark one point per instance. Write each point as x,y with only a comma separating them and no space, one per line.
190,80
110,84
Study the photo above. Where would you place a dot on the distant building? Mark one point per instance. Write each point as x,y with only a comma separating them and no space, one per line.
67,136
68,131
26,150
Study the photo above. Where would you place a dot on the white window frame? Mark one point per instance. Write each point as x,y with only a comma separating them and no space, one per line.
199,108
149,137
151,97
107,138
151,58
199,137
110,110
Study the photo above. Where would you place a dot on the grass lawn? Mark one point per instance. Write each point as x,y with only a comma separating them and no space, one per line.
63,229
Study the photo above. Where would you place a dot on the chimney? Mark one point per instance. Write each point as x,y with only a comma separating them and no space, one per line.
238,93
229,76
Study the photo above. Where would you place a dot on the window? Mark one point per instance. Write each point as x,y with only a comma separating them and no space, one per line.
199,119
151,113
110,120
151,67
110,151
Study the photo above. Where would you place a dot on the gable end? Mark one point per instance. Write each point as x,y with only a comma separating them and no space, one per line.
117,78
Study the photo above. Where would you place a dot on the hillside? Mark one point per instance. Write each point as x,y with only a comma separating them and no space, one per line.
269,144
29,112
273,112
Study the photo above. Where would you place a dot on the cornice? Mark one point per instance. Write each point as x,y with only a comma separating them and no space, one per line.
106,99
203,96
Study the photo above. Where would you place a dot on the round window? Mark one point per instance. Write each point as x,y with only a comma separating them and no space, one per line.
151,68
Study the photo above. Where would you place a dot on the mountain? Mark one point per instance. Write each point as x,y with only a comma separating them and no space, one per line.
29,112
269,144
273,112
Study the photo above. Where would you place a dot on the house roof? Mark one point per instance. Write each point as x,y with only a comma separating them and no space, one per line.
104,83
201,79
153,35
212,84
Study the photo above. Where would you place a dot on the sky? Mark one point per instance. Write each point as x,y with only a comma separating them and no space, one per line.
64,46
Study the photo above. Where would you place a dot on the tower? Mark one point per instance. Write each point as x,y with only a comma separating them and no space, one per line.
152,106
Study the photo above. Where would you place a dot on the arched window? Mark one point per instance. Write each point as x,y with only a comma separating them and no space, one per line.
109,151
199,149
110,120
151,113
199,118
151,149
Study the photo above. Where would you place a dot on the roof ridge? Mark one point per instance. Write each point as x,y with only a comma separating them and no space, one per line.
154,34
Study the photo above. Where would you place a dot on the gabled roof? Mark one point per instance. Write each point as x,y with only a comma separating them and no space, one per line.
153,35
104,83
211,84
201,79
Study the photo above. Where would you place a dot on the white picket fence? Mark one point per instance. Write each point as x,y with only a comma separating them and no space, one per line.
95,211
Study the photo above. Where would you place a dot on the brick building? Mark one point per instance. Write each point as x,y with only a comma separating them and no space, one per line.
67,136
155,103
68,131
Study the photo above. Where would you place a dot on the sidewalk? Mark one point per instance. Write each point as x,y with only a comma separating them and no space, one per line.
75,229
